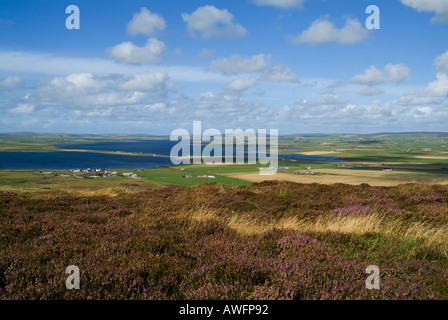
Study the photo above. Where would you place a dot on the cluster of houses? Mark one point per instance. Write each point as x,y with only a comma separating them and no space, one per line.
189,176
313,173
309,172
351,165
93,173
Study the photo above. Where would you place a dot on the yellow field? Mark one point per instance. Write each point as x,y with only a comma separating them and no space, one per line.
407,165
431,157
353,177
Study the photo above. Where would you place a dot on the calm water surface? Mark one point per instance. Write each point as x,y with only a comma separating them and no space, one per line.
74,160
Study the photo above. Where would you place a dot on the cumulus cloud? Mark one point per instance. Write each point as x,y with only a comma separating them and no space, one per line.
337,112
16,61
439,7
324,31
97,113
279,73
85,91
209,22
140,101
73,84
391,74
434,93
145,81
396,73
146,23
11,82
82,81
284,4
422,111
222,111
206,53
22,108
327,99
439,87
238,64
241,84
441,62
129,53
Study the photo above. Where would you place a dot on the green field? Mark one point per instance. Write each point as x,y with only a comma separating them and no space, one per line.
414,157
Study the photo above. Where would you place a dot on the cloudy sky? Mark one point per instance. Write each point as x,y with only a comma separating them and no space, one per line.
300,66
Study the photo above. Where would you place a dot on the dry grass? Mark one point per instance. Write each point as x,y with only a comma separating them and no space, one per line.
347,176
400,229
431,157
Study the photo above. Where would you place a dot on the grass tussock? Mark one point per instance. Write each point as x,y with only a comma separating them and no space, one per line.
399,229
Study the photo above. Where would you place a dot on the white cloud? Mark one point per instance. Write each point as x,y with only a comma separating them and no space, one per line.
121,103
206,95
441,62
327,99
439,7
324,31
391,73
129,53
86,92
422,111
241,84
284,4
11,82
156,107
99,113
146,23
82,80
22,108
210,22
239,64
434,93
439,87
371,76
48,64
108,98
222,111
206,53
418,99
73,83
396,73
279,73
145,82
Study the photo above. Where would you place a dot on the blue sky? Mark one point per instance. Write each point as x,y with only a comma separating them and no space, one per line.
300,66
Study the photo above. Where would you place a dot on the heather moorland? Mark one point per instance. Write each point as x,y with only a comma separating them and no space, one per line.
269,240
